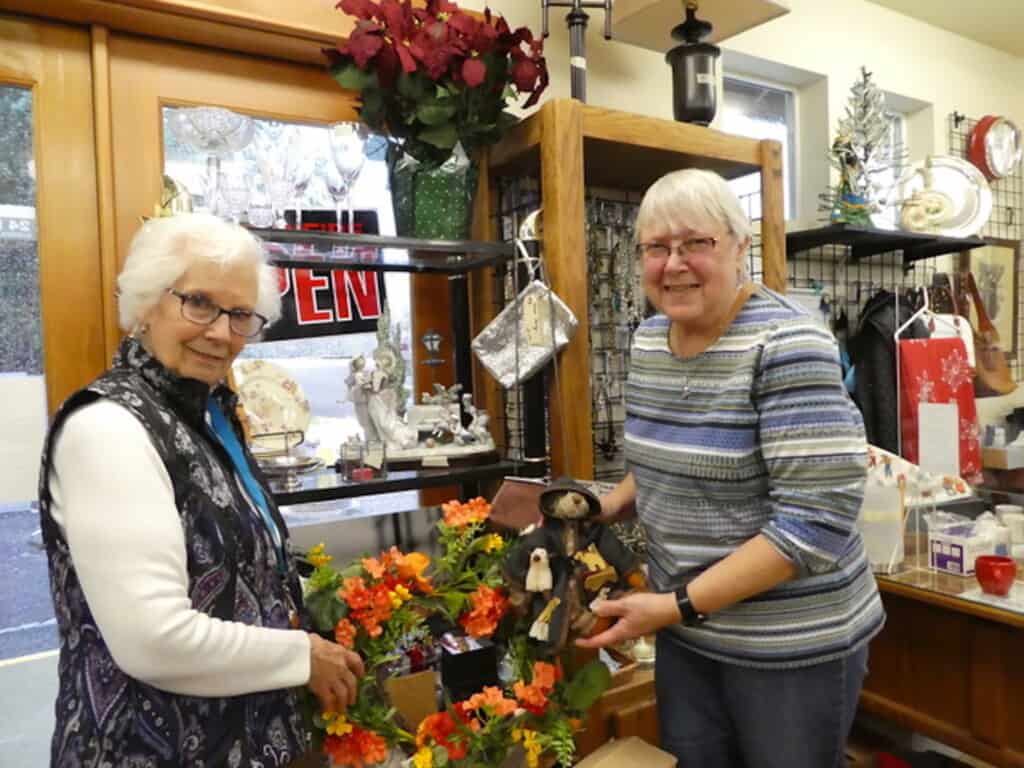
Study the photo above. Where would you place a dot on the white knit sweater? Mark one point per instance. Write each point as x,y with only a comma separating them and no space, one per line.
113,499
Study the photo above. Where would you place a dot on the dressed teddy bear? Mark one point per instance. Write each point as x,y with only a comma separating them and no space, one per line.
557,569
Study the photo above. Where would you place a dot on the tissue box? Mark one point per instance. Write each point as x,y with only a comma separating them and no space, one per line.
955,548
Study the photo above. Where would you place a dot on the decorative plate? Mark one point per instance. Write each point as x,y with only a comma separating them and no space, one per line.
273,401
964,194
994,146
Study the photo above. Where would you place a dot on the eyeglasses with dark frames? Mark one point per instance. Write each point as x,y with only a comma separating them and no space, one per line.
198,309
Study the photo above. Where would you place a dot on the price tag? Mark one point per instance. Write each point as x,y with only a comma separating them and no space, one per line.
537,321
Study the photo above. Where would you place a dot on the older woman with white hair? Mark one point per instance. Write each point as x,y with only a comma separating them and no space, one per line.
746,464
176,595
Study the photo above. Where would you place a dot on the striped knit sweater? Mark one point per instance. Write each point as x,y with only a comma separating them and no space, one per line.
755,435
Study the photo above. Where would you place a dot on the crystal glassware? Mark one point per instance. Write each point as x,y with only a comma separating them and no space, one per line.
217,132
347,142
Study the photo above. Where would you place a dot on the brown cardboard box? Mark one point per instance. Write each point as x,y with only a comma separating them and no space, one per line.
413,696
627,753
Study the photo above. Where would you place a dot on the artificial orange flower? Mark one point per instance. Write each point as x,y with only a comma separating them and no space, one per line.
358,748
489,606
353,591
411,568
438,729
458,514
546,675
373,567
345,633
531,697
535,696
492,698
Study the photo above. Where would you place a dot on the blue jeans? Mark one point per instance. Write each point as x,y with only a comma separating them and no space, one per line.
718,715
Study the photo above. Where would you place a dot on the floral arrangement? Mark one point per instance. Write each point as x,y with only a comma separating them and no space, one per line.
379,605
436,76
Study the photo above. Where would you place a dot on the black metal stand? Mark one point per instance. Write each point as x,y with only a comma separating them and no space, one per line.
577,20
535,448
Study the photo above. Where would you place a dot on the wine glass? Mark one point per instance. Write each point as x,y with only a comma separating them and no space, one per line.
286,167
216,131
338,187
347,142
236,195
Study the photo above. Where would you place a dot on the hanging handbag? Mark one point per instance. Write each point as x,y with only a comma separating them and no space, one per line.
992,372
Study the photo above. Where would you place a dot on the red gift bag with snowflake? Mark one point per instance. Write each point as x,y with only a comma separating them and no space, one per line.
937,371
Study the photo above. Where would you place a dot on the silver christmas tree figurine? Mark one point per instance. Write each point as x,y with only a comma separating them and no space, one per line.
863,155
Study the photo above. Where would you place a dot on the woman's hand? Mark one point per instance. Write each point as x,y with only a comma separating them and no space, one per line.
333,674
638,614
620,502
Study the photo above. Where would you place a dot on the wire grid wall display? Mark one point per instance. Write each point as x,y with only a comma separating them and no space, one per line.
517,198
1007,192
616,307
827,280
1007,213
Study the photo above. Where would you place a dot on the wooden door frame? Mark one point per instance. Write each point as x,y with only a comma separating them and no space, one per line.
54,61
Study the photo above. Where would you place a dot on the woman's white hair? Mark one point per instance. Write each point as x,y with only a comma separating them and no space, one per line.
692,199
165,248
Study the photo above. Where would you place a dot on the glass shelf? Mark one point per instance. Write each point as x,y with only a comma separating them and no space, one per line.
379,253
327,484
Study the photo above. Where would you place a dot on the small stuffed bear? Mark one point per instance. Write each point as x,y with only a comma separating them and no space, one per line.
556,570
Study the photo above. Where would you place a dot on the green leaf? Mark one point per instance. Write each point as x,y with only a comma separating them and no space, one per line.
372,114
352,77
440,757
412,87
441,136
586,686
435,113
325,609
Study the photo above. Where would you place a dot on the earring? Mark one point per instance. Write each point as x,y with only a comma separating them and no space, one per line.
142,329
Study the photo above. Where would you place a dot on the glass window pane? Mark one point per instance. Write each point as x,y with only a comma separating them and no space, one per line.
288,173
26,613
761,112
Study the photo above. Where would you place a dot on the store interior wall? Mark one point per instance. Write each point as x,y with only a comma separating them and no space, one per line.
831,40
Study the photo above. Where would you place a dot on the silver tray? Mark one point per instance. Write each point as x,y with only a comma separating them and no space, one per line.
958,180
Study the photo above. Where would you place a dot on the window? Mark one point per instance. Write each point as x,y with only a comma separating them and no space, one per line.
762,112
885,179
319,364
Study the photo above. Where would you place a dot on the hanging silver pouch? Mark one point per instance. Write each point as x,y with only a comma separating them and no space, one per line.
527,333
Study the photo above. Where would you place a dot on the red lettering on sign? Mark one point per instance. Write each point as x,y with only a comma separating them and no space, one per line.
363,287
307,285
342,303
284,280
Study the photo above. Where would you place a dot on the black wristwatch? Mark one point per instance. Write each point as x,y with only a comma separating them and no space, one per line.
691,616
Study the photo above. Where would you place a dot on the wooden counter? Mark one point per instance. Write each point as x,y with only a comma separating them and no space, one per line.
949,665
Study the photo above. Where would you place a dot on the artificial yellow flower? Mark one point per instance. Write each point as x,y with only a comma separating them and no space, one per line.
399,595
337,725
424,758
493,543
317,557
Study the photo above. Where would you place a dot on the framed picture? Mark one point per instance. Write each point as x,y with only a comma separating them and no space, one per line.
995,272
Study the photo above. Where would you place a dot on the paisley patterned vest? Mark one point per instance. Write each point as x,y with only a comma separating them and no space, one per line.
106,718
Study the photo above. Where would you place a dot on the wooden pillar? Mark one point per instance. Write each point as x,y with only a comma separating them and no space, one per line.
565,254
773,217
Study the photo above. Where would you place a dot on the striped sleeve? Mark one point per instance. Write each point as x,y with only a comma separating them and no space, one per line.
812,441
